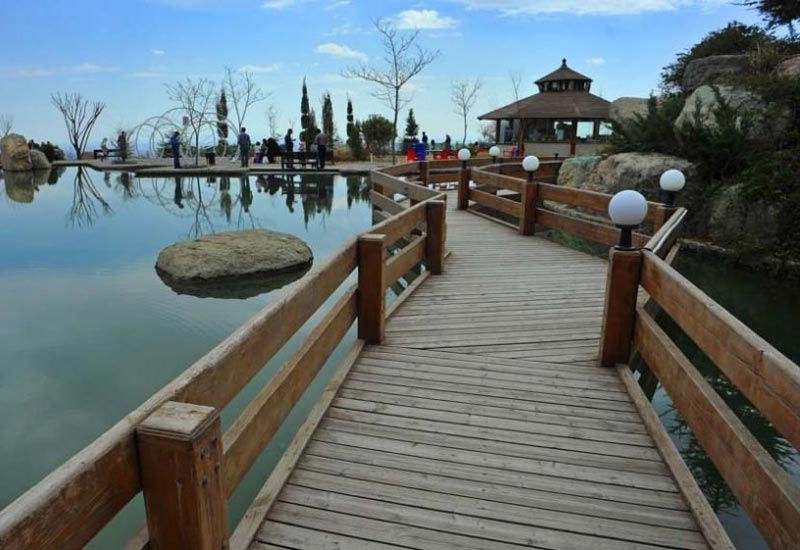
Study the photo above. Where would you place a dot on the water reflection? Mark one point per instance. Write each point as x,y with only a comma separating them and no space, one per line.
239,288
22,186
87,202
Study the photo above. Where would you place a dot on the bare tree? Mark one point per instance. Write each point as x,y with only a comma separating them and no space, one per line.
487,130
6,123
403,59
272,121
464,94
79,118
196,98
516,83
243,93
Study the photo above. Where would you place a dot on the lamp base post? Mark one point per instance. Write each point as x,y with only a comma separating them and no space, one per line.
625,237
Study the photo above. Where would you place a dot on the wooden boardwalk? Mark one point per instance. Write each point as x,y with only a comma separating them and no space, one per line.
484,422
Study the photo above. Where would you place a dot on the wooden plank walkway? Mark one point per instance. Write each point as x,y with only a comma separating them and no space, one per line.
483,422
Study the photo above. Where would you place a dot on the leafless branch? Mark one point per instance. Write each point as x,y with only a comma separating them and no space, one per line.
79,118
243,93
402,60
6,123
196,98
464,94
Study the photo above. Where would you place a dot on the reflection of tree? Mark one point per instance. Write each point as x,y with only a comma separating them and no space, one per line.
358,188
85,200
708,478
317,194
124,186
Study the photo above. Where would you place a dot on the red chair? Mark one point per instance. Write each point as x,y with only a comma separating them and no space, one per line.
410,156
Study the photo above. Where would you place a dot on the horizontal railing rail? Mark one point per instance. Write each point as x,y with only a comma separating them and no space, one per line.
73,503
767,378
528,198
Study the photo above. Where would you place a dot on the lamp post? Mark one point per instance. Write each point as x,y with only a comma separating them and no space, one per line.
464,155
495,152
672,181
627,210
530,164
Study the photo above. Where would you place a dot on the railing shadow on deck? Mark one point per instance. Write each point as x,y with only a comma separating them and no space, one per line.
171,448
640,283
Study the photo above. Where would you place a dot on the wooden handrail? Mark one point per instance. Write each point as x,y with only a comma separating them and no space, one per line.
764,375
761,486
663,239
74,502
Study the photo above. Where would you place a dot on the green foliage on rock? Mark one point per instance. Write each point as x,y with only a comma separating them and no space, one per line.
52,152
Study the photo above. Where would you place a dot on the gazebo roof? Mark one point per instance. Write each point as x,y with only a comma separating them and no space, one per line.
563,73
567,105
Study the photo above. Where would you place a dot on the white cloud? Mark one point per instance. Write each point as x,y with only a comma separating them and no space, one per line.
424,19
340,50
337,5
596,61
281,4
261,68
157,52
35,71
583,7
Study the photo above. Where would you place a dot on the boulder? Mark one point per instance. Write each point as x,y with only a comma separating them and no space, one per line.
639,171
19,186
714,69
246,262
737,222
625,108
14,154
39,160
790,67
701,105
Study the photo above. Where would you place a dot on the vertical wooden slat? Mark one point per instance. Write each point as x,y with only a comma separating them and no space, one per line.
463,188
180,453
423,172
527,219
371,292
434,244
622,286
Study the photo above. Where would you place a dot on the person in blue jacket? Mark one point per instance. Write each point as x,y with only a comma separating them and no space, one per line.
175,141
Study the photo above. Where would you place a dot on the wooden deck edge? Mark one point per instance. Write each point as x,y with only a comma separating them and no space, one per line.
706,518
257,512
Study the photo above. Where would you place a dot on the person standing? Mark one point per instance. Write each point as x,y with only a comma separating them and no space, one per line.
175,142
425,139
122,145
321,141
244,146
288,145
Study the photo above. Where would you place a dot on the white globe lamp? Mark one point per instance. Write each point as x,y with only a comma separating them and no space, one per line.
672,181
627,210
530,164
494,151
464,155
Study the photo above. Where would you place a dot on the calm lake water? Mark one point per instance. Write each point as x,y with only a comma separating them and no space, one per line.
88,330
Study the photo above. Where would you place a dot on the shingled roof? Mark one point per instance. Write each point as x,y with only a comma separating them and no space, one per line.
563,73
567,105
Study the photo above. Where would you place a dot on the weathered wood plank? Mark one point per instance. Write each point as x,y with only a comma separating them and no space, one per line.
399,264
761,486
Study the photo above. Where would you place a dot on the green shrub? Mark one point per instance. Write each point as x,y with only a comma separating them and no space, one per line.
52,152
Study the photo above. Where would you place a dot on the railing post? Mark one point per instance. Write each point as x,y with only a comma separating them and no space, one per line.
423,172
180,459
435,240
371,291
463,186
527,220
622,288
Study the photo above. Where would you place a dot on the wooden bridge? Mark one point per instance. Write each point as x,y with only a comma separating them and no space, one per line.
490,406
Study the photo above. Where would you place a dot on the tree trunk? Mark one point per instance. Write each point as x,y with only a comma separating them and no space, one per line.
465,132
396,113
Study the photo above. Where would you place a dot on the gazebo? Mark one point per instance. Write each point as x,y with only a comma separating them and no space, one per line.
563,119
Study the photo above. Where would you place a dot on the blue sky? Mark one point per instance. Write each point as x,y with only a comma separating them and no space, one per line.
124,52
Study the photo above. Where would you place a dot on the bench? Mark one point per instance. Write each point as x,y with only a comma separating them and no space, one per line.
108,153
291,160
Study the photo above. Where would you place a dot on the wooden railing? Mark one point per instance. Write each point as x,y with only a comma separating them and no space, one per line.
768,379
526,203
172,449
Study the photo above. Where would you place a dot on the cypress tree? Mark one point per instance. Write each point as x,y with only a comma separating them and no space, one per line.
304,112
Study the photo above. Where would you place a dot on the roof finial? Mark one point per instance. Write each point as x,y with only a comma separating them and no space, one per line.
564,62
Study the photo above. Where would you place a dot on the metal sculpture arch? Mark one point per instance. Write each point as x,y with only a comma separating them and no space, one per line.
150,138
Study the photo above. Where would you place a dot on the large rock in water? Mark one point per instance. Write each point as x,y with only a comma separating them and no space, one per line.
714,69
14,154
639,171
235,264
39,160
